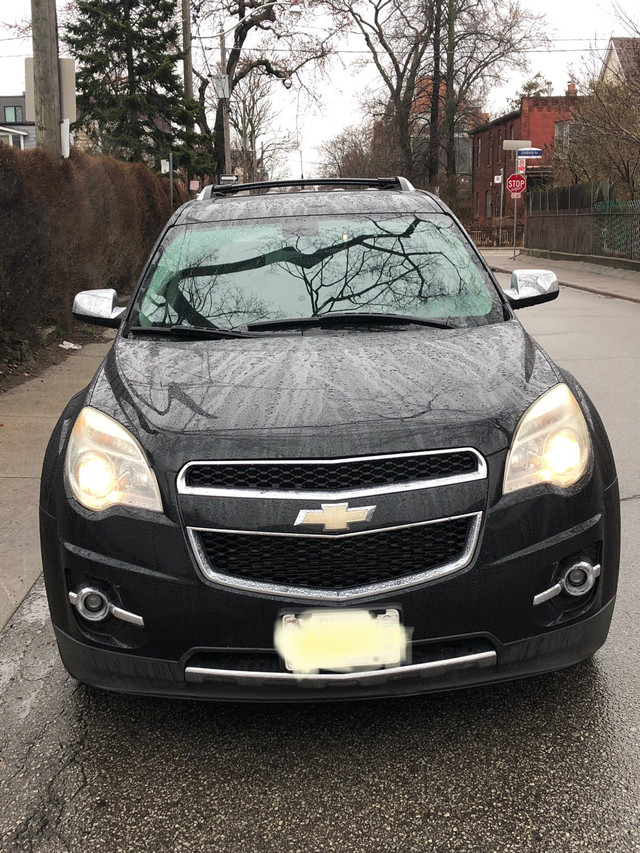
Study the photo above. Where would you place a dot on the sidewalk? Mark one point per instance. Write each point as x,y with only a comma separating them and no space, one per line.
607,281
28,414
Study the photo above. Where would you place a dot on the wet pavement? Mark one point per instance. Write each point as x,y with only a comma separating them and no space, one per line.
547,764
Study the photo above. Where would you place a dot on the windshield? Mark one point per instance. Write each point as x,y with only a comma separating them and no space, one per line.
230,274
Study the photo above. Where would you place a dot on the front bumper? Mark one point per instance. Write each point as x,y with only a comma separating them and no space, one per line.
199,639
116,671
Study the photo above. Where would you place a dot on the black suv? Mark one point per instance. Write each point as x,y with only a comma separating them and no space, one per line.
322,460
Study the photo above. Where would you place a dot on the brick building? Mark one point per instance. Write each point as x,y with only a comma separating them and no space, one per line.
539,119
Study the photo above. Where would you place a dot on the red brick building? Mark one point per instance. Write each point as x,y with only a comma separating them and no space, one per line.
538,119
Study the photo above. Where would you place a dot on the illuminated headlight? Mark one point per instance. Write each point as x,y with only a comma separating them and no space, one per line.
105,465
551,443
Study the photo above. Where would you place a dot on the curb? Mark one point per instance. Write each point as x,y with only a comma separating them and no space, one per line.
600,291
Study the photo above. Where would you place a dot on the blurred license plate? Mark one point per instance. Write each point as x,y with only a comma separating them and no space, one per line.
340,640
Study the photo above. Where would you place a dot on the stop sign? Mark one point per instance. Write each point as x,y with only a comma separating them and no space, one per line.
516,183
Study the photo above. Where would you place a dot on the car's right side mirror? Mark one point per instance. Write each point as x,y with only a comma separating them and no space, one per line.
532,287
99,307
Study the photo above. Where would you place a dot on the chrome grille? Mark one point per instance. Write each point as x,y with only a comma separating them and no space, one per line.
332,475
336,563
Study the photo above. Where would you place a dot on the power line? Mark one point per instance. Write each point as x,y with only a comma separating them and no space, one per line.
367,52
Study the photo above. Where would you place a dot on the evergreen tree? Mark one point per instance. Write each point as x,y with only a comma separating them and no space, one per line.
536,87
131,100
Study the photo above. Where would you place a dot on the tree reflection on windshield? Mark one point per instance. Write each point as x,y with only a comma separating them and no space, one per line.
216,275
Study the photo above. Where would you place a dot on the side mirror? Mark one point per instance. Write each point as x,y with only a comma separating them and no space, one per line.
98,307
532,287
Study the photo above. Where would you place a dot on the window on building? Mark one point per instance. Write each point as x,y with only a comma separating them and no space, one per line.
490,151
478,151
499,153
512,135
488,202
477,205
562,136
13,114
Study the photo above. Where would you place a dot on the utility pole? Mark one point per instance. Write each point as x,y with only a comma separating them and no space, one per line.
186,49
46,76
225,107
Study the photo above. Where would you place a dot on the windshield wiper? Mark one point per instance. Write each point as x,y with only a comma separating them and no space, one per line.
192,331
346,318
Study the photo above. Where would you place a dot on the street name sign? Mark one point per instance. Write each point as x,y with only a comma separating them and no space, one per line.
530,153
514,144
516,183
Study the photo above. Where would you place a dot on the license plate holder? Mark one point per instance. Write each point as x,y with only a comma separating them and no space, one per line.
341,640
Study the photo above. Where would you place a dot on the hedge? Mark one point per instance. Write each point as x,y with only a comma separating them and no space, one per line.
71,225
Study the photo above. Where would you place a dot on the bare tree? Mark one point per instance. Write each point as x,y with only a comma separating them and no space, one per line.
264,36
602,140
485,38
350,154
398,36
435,59
259,145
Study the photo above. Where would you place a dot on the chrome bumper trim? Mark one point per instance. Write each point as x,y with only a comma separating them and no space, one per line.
202,673
382,587
541,597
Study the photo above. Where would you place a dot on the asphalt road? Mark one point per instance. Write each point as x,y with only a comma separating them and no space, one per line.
547,764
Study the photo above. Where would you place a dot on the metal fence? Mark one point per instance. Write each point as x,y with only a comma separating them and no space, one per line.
583,220
491,235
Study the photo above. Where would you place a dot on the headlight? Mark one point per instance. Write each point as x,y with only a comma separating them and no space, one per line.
551,443
105,465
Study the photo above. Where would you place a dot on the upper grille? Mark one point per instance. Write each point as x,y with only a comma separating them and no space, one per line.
326,475
336,563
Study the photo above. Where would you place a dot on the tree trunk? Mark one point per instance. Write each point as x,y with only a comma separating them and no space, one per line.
434,117
134,118
450,101
218,142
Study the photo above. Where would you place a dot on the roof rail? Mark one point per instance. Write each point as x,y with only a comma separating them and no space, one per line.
397,183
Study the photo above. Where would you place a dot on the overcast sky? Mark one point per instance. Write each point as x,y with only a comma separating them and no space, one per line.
574,27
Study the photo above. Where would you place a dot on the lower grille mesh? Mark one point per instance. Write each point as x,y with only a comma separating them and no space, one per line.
336,563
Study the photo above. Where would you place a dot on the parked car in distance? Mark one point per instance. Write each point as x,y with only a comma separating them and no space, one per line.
324,460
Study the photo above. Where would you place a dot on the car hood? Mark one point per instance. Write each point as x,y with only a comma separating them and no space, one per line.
326,394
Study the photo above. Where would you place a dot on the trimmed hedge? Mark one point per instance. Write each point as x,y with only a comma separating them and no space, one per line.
71,225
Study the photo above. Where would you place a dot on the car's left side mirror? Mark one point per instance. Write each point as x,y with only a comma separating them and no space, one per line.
99,307
531,287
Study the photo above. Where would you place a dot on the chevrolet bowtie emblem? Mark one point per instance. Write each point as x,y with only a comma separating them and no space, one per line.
335,516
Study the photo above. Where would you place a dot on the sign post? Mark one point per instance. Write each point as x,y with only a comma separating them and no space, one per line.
501,206
516,184
171,181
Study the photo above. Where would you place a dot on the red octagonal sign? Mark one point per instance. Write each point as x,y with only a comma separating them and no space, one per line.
516,183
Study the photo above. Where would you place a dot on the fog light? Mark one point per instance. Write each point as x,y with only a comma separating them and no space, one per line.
94,602
91,604
579,578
